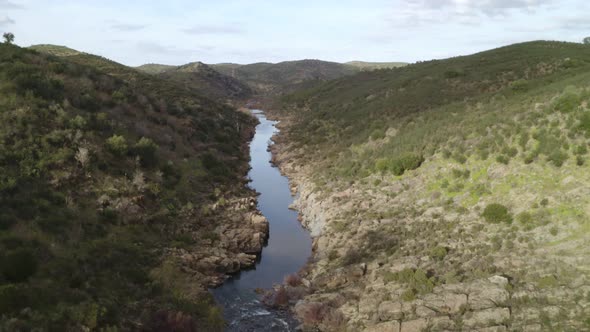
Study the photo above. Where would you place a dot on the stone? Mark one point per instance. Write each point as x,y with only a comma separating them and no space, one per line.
441,323
446,303
390,310
486,318
488,297
423,311
499,280
417,325
499,328
368,306
392,326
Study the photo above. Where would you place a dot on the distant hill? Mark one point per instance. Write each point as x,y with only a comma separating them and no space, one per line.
375,65
268,78
211,82
54,50
154,68
199,76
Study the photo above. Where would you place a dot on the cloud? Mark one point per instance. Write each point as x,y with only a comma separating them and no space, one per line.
574,23
5,4
156,48
6,21
487,7
127,27
233,29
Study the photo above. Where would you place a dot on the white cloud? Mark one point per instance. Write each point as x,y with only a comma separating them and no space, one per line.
6,21
214,29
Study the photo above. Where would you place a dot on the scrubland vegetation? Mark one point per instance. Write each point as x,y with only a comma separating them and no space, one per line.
103,172
443,174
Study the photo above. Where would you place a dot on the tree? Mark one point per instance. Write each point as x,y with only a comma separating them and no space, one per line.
8,37
587,40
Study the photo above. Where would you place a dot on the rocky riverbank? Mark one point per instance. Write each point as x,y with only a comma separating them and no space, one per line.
398,257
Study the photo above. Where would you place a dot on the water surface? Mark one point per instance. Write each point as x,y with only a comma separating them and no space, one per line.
288,248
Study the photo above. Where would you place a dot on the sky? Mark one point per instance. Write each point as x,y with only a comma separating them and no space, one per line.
134,32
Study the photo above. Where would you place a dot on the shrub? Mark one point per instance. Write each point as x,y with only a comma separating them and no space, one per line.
146,150
503,159
438,253
567,102
12,298
117,145
519,86
409,295
401,164
496,213
18,265
293,280
378,134
554,230
281,298
524,218
557,157
407,161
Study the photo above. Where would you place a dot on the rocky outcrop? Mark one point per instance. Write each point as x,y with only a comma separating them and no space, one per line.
399,260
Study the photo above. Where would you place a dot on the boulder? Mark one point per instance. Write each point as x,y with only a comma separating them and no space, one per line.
390,310
446,303
487,318
417,325
488,296
392,326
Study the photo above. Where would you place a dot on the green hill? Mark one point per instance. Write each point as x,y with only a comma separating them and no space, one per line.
154,68
375,65
54,50
204,78
110,181
272,79
445,184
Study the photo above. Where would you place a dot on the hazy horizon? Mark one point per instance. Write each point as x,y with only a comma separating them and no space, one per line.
237,31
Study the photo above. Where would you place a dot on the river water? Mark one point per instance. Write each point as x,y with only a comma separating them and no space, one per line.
288,249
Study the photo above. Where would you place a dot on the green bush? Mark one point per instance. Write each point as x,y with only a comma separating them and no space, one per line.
12,298
18,265
524,218
567,102
519,85
557,157
117,145
503,159
401,164
146,150
378,134
496,213
438,253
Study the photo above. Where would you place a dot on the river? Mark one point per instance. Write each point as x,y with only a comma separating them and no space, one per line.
287,251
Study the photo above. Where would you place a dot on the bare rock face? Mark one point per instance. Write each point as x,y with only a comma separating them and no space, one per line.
486,295
485,318
417,325
384,327
446,303
389,310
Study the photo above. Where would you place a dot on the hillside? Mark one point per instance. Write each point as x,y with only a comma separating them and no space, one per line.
54,50
362,65
123,197
273,79
154,68
214,84
446,195
202,78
